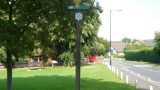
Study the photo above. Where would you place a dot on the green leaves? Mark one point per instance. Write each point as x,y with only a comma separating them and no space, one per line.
157,42
68,58
3,55
45,24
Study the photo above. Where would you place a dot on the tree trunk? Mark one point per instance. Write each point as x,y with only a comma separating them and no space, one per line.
9,70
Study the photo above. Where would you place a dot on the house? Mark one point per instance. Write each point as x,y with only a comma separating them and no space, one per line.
117,47
148,42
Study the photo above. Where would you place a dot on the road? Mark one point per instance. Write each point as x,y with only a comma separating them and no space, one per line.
141,75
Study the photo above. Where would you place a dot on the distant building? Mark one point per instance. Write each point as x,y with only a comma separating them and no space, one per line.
148,42
118,46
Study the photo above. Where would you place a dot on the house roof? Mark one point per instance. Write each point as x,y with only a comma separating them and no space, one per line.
118,45
148,42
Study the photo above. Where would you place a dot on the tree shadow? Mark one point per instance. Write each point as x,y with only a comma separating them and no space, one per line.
57,82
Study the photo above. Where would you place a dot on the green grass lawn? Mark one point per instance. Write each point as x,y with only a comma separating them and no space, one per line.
93,77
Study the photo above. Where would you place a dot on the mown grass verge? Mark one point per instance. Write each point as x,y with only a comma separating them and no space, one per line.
93,77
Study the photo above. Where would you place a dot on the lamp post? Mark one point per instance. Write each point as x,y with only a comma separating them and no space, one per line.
110,50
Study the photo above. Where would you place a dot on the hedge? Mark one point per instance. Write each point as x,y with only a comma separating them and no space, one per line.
147,54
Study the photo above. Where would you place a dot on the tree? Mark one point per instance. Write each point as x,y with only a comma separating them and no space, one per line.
157,42
99,47
135,45
104,42
20,23
135,40
126,40
46,24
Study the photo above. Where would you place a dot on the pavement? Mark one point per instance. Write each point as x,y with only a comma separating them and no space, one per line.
144,77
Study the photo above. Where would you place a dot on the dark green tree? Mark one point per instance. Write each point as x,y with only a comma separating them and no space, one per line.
135,45
126,40
104,42
157,42
19,25
26,25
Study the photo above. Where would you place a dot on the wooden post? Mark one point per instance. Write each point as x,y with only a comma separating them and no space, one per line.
127,79
150,87
117,72
121,75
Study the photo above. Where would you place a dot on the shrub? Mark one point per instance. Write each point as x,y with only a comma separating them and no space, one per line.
147,54
67,58
3,56
93,52
118,56
85,51
100,49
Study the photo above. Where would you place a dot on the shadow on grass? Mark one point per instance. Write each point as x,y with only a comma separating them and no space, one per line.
55,82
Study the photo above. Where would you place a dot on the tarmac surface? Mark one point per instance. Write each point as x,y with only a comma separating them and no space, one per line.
144,77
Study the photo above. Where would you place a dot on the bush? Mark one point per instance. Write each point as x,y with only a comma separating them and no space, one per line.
118,56
100,49
93,52
147,54
106,55
3,56
96,49
85,51
67,58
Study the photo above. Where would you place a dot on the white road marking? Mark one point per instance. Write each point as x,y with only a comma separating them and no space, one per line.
139,66
142,66
138,75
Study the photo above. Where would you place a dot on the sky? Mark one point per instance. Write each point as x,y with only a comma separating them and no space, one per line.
139,19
